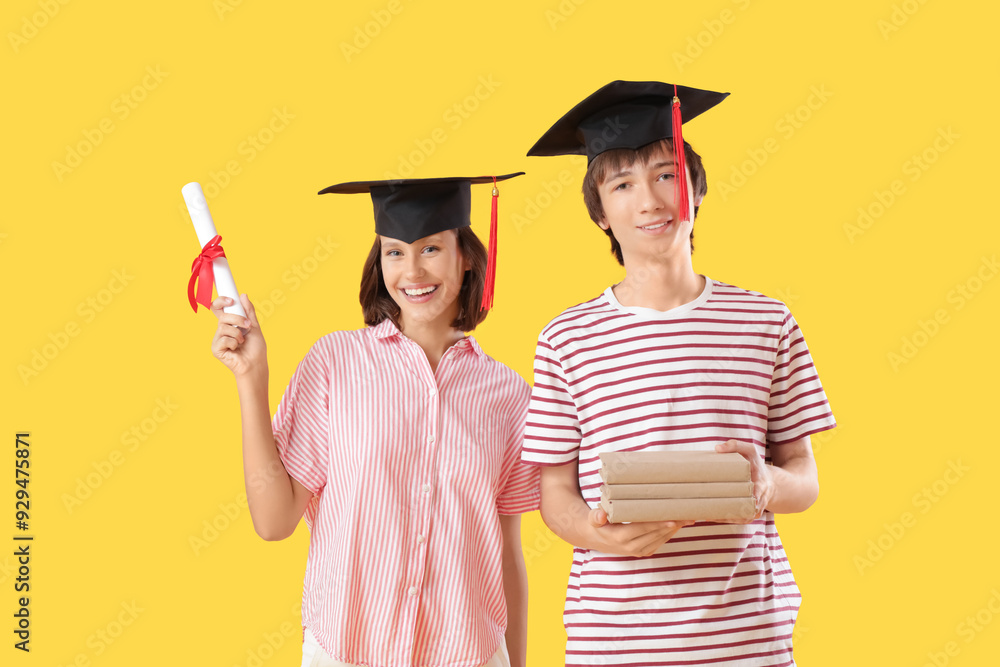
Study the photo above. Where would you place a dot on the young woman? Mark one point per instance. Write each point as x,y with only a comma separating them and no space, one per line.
400,443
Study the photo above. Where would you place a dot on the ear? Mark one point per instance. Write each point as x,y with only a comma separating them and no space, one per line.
603,223
697,202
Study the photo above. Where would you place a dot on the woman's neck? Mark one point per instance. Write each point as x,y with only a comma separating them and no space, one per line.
434,338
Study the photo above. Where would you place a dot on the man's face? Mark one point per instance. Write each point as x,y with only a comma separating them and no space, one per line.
639,208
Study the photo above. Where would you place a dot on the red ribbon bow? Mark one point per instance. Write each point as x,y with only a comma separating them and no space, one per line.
203,274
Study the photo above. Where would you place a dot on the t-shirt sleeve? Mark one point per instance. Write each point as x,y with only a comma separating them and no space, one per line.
522,491
301,424
797,406
552,430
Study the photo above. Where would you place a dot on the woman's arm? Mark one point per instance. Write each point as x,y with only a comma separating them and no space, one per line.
515,590
276,501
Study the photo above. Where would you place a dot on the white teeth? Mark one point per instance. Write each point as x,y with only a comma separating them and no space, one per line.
418,292
655,226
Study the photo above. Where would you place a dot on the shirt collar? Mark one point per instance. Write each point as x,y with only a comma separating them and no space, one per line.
387,329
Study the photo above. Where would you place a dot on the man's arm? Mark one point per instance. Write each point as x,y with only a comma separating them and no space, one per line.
515,590
796,480
790,484
567,514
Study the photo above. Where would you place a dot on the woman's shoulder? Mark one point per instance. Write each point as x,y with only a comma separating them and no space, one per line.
340,343
501,371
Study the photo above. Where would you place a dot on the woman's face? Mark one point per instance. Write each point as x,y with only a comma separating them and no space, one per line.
424,278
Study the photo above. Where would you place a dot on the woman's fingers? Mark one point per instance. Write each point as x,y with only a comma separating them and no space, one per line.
220,303
249,309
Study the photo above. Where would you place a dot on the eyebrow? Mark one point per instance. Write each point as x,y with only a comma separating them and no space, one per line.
628,172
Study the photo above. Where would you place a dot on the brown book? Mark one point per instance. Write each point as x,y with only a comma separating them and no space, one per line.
673,467
679,509
689,490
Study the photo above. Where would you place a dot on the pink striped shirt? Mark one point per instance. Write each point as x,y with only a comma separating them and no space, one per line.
730,364
409,471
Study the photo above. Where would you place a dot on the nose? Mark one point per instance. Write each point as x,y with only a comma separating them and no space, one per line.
651,197
414,268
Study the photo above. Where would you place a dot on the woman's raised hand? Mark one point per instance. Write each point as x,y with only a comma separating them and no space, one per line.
245,354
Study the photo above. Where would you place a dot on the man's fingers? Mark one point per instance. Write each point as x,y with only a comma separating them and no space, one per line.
598,517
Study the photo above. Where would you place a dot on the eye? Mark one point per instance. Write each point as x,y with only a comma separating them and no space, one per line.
620,186
666,176
393,253
430,248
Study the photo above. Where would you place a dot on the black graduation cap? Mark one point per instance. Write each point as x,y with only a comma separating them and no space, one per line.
623,114
412,208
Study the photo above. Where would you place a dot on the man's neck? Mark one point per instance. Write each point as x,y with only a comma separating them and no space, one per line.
659,285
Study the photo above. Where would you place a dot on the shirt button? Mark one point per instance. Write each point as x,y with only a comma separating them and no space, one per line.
412,591
420,538
430,440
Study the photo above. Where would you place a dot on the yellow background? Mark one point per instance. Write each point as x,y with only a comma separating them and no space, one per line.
892,78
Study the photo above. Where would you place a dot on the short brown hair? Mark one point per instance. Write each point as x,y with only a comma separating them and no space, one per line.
377,305
613,160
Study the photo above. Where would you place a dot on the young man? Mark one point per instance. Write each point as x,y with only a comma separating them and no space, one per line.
668,360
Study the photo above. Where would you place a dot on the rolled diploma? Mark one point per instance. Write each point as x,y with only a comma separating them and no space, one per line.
205,228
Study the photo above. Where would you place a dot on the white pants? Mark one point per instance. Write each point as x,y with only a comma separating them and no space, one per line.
313,655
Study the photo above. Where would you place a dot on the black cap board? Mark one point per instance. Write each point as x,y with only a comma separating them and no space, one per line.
412,208
622,114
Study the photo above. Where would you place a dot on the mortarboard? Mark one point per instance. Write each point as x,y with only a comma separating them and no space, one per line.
412,208
628,114
622,114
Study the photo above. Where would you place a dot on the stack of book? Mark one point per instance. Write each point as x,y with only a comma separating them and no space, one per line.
676,486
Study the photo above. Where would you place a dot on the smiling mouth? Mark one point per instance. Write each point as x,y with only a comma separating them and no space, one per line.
655,225
419,292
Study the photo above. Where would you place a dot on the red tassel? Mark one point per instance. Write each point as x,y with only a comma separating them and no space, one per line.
681,195
491,264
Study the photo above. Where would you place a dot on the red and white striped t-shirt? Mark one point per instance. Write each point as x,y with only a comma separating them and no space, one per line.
410,470
731,364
